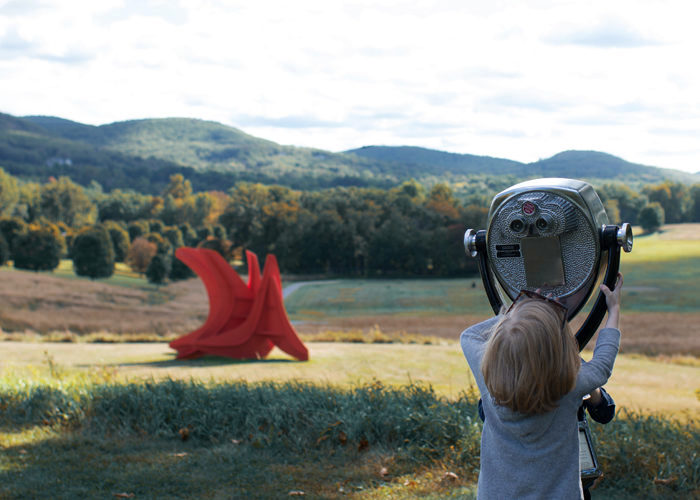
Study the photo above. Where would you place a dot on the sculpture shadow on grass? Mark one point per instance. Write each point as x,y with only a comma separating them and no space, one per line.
203,361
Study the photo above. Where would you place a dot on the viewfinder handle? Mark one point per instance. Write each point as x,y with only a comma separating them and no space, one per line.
475,246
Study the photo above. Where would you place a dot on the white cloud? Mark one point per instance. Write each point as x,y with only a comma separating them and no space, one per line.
507,79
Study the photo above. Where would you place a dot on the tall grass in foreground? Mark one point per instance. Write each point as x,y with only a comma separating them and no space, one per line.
641,455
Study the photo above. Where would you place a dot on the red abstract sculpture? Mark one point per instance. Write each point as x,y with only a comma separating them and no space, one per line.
245,321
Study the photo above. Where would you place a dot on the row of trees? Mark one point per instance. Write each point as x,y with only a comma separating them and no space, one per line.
405,230
146,246
656,204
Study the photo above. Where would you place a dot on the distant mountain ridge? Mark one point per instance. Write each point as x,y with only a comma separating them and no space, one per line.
572,164
142,154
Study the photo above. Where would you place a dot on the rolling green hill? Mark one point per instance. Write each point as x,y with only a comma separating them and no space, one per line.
592,165
187,142
142,154
440,162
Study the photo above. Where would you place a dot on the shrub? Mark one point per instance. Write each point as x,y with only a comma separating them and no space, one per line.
4,250
174,236
119,238
155,226
223,247
218,231
10,228
179,270
158,269
93,253
140,254
39,249
163,246
137,228
189,235
204,232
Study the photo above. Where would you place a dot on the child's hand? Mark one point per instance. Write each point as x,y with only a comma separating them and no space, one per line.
612,299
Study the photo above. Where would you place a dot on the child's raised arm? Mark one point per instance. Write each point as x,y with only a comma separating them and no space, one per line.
597,371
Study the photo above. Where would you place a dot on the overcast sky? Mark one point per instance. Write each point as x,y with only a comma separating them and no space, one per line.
514,79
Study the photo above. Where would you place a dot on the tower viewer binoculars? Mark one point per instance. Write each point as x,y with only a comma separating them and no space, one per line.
551,235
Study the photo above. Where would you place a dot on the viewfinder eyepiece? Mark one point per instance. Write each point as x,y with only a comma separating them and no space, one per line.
517,225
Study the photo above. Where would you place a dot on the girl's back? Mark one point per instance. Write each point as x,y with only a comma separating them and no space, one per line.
533,455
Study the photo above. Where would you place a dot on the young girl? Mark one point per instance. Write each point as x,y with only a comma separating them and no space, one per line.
532,381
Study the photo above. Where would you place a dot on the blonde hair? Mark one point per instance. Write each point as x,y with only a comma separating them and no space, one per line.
530,361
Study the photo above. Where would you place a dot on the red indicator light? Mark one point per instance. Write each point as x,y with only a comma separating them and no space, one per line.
529,208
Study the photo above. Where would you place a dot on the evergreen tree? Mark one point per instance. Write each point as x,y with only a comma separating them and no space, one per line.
218,231
158,269
4,251
10,228
204,232
174,236
694,205
93,253
189,235
39,248
202,208
120,240
155,226
222,247
179,270
137,229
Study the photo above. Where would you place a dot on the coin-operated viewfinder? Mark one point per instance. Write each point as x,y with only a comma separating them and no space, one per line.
552,235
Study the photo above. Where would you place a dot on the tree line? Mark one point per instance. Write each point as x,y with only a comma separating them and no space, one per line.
406,230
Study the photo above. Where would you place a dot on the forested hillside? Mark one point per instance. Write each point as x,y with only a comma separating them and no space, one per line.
143,154
589,165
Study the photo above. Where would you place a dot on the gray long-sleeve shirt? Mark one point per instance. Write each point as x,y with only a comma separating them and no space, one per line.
534,456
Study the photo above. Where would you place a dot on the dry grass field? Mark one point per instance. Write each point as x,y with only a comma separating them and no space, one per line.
43,303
